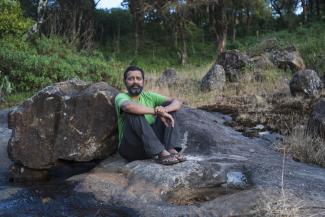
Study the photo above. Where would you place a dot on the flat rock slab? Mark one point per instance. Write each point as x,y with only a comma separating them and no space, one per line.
226,174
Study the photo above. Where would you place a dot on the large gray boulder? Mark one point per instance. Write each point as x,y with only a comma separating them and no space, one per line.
169,77
70,120
265,46
233,61
316,122
261,62
288,58
226,174
215,79
305,82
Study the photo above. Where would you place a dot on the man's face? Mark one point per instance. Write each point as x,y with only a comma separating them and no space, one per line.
134,82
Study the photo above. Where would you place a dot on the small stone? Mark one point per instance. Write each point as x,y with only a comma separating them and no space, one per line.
251,150
237,180
46,200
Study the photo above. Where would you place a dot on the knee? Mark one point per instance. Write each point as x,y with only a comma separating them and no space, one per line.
174,114
132,118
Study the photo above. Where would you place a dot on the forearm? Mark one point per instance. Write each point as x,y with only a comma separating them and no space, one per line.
137,109
173,106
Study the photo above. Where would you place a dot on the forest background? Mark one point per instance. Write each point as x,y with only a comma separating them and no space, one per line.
46,41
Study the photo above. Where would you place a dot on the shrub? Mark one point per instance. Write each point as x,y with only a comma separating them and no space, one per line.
11,18
32,66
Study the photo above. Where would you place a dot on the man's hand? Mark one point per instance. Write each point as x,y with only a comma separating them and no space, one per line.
167,119
159,110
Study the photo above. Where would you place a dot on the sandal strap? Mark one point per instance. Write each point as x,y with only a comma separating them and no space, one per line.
167,160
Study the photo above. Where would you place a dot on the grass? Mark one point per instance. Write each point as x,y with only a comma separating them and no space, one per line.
304,147
14,99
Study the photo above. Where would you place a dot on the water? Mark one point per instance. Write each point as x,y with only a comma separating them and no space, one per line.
52,198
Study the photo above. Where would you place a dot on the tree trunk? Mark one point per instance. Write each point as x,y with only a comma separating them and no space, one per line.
42,5
304,7
220,25
318,8
118,39
184,44
248,20
234,27
136,9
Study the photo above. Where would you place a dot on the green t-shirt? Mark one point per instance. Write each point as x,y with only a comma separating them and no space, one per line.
148,99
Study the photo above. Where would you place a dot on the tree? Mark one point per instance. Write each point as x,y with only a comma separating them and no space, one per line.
12,20
41,9
137,10
72,19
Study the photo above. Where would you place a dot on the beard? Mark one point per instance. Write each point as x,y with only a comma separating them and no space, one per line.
135,90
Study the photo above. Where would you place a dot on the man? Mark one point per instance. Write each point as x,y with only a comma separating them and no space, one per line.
146,122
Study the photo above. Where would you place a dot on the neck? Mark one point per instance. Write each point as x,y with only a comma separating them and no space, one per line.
135,97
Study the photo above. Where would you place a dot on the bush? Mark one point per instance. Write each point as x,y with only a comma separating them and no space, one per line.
31,67
11,18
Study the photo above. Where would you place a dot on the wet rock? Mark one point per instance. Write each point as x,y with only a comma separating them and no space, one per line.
305,82
215,79
233,62
169,77
70,120
316,122
288,58
237,179
271,137
18,173
250,132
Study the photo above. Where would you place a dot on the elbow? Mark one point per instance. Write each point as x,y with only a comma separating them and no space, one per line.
179,104
127,107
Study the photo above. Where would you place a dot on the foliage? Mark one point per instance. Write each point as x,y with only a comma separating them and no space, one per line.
5,85
32,66
11,18
309,39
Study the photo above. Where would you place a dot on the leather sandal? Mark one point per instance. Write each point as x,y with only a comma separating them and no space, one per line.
167,160
179,156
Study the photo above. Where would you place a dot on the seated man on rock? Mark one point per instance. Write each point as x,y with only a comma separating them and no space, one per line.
147,122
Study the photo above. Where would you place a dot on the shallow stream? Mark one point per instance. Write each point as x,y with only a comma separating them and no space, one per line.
52,198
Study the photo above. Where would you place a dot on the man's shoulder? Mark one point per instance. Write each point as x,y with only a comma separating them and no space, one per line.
122,95
120,98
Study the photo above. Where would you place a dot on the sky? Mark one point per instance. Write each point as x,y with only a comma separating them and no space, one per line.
109,4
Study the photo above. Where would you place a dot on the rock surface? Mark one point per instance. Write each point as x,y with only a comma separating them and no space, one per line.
215,79
69,121
316,123
278,111
169,77
288,58
261,62
226,175
265,46
305,82
233,62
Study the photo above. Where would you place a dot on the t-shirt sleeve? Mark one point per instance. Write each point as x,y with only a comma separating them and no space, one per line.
158,99
119,100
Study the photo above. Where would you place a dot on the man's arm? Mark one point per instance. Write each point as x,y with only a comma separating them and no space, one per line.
174,105
135,108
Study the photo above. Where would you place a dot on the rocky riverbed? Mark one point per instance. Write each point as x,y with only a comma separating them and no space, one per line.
55,197
227,174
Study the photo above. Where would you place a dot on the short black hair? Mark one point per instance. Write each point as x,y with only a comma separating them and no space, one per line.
133,68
